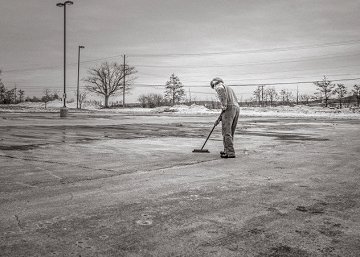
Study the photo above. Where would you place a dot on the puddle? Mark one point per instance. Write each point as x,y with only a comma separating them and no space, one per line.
18,147
285,136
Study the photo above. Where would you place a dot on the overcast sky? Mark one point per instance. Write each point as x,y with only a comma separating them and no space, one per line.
245,42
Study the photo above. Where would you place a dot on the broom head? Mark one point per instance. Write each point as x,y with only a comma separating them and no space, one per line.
201,151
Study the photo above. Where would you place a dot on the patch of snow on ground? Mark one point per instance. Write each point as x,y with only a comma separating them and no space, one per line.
184,109
300,111
52,106
278,111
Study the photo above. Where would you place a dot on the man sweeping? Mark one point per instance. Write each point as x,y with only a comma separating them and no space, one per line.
229,117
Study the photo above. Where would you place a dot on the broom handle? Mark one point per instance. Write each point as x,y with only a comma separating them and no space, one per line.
211,130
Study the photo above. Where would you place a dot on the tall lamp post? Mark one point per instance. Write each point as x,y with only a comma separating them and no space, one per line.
78,90
63,111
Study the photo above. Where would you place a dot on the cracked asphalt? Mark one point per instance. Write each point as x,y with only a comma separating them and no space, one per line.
104,184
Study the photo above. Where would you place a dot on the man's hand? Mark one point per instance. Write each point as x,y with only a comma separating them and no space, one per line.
224,108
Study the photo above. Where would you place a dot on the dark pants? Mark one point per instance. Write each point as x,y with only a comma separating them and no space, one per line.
229,122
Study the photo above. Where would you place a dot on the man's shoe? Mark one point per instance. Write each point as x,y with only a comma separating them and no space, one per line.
227,156
222,152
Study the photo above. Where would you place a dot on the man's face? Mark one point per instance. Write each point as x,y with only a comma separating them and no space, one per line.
215,83
218,84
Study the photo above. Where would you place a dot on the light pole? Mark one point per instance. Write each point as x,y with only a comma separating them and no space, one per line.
78,91
63,111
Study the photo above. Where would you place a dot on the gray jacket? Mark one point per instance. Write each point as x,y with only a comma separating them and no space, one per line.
226,95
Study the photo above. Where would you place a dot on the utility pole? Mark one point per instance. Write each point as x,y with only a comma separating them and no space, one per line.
124,84
190,95
78,89
15,94
297,94
262,96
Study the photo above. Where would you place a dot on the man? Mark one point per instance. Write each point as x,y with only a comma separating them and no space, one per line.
229,117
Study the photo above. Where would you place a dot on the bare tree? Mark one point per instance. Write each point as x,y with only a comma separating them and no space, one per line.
82,97
325,88
174,90
286,96
289,96
107,80
283,96
272,94
47,97
257,94
340,91
356,92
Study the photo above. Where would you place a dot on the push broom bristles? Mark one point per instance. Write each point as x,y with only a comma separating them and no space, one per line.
201,151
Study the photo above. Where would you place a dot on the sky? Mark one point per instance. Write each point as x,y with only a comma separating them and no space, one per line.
285,44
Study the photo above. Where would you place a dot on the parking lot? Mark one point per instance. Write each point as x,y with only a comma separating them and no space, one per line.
125,184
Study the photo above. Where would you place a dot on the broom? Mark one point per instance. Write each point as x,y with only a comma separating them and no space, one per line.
202,150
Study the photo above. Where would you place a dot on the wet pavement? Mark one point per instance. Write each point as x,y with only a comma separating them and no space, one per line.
102,184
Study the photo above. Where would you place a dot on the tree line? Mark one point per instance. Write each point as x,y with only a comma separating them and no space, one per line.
10,95
15,95
326,89
113,79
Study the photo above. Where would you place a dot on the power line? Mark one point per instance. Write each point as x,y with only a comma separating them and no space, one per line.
200,66
299,70
290,83
204,54
289,48
263,84
321,57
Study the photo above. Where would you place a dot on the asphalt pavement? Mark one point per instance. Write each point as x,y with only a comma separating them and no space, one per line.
104,184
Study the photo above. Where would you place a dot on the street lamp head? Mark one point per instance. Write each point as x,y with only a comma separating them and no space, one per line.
66,2
81,46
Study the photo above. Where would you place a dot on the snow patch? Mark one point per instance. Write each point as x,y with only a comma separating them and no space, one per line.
278,111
